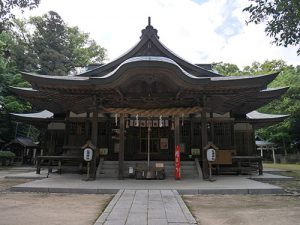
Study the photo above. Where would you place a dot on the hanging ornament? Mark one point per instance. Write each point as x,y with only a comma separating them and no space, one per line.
116,119
160,121
172,126
136,122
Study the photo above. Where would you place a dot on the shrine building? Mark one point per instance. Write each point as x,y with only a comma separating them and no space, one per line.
142,105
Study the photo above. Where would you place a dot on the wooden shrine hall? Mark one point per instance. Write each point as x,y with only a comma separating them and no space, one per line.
149,100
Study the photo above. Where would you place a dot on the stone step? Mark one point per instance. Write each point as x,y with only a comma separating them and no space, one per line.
110,168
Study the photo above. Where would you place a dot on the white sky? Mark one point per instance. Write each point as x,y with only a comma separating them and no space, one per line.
200,31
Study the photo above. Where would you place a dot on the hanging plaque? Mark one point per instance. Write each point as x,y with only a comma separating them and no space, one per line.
164,143
149,123
143,123
131,123
166,123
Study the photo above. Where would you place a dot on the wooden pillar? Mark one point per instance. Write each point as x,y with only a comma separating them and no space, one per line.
67,131
204,143
94,139
87,126
212,127
94,135
52,143
121,147
273,154
176,132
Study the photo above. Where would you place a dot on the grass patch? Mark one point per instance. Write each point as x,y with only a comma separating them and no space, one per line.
290,170
283,166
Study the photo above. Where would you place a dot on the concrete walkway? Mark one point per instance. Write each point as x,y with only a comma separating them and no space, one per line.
146,207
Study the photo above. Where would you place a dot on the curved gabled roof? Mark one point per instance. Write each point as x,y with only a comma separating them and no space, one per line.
149,64
149,45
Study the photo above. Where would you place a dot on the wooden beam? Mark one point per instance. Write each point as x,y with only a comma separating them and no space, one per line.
121,147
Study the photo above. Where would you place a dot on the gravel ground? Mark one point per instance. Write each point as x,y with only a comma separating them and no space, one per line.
44,208
54,209
244,209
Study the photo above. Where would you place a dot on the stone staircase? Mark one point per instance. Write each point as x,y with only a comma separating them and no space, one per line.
110,169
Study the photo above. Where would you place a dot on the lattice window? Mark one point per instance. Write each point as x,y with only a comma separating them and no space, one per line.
77,128
244,143
197,129
223,134
185,130
102,128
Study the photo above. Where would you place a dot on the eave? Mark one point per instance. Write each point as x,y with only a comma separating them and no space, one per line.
261,120
256,100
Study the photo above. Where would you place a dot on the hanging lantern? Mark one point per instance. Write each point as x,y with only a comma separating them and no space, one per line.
116,119
160,121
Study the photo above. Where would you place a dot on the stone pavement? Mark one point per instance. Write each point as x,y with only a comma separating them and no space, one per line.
74,183
146,207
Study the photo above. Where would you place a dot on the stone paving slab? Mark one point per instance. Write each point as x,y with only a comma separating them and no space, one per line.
123,209
75,183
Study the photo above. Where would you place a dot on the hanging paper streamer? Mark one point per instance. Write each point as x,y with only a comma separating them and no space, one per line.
160,121
116,119
136,123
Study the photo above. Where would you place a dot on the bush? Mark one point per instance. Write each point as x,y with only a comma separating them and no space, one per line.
7,155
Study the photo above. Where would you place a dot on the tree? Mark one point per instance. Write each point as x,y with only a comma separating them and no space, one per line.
227,69
6,7
282,19
47,45
9,76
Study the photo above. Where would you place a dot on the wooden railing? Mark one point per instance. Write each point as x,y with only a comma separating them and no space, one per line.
248,162
59,163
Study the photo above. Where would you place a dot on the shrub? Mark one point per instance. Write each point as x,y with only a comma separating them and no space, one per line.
7,155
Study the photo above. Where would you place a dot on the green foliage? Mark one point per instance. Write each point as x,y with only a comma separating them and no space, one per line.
6,7
47,45
7,155
288,104
282,19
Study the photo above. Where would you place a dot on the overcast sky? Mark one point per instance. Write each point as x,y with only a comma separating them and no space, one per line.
200,31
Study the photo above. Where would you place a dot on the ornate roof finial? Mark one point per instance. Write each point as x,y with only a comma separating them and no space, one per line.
149,31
